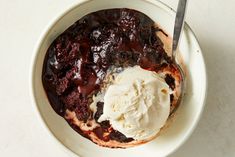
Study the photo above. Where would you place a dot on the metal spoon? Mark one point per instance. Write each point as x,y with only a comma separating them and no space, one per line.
179,23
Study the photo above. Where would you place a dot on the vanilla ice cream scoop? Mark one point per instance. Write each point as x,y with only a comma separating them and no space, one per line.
137,104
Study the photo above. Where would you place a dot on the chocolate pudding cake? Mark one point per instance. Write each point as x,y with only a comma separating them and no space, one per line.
90,59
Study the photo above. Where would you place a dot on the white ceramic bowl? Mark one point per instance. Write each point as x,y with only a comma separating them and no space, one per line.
187,115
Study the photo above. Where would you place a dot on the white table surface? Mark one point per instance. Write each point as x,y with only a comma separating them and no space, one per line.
21,23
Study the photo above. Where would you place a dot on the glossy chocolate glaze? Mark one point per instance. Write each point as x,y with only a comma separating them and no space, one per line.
78,59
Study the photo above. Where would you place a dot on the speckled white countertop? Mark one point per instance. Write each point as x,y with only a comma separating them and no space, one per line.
21,23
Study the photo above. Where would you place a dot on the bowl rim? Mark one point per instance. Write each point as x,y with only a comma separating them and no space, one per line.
37,47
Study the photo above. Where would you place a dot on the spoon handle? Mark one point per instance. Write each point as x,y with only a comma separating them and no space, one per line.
179,22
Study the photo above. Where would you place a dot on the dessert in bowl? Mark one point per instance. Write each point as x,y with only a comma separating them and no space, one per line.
109,75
